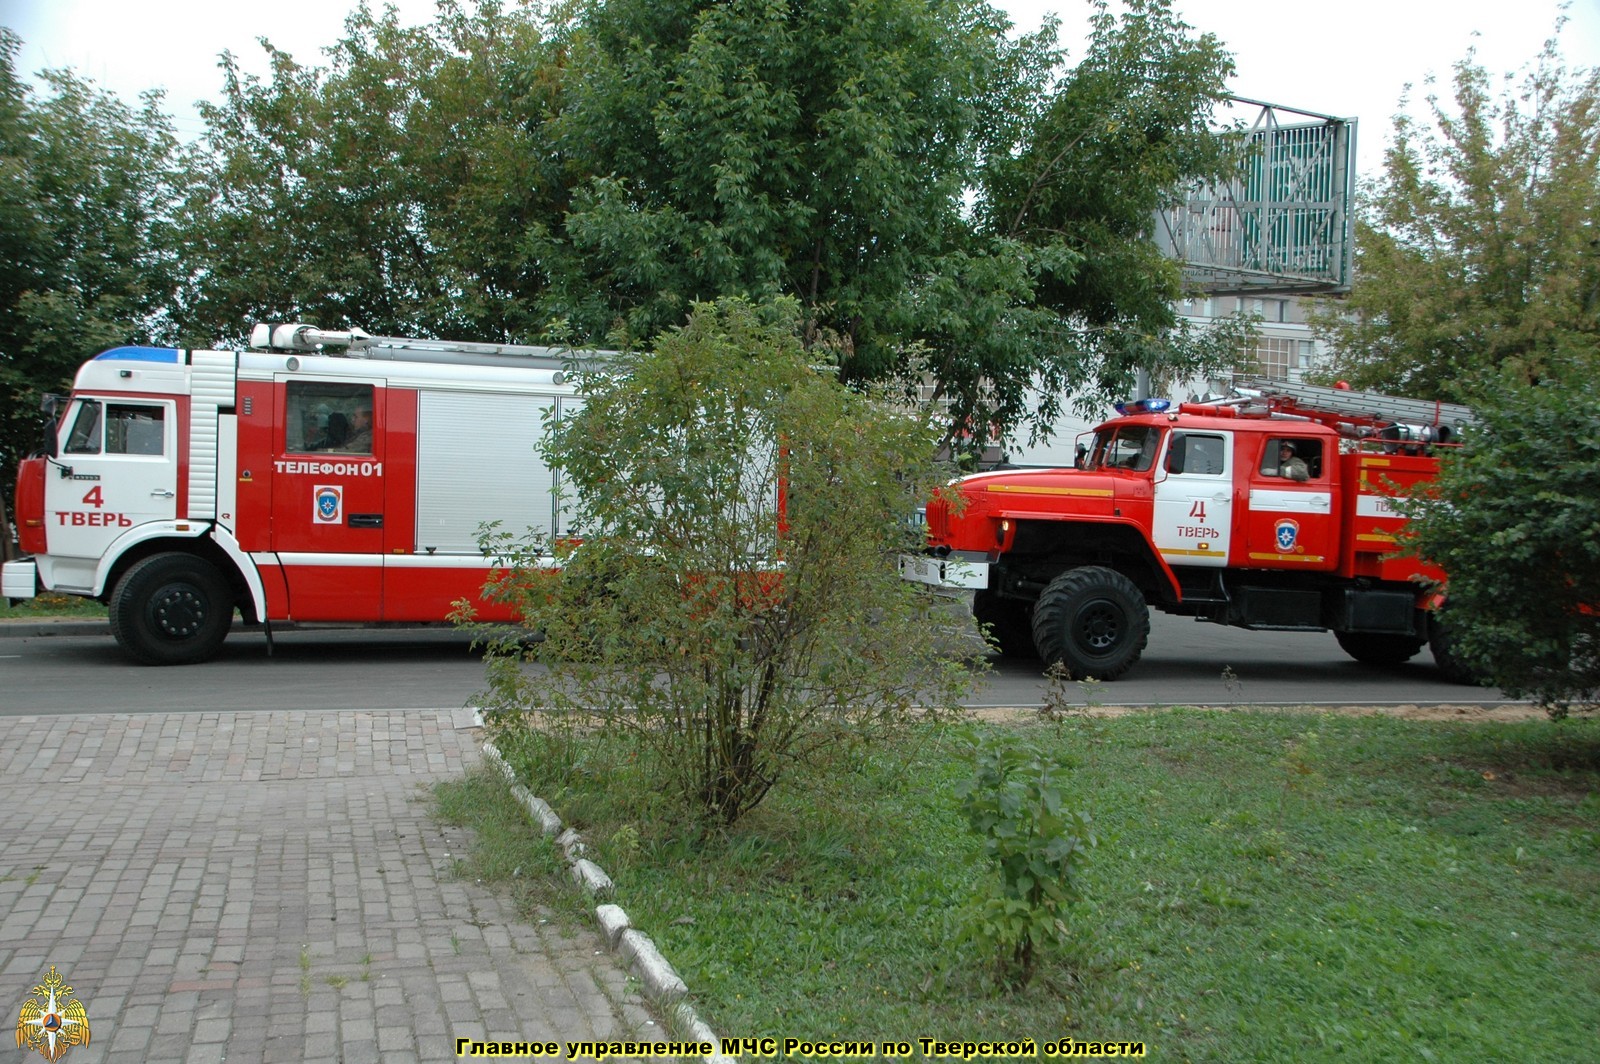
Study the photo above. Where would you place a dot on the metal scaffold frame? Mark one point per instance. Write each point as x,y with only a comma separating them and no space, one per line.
1283,224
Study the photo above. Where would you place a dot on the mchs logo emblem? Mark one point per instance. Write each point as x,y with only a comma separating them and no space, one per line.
330,504
52,1020
1288,532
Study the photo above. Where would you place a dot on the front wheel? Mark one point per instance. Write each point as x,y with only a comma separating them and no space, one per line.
1370,648
1092,620
1009,624
171,609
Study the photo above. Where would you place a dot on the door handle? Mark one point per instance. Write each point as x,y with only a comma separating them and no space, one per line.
162,493
366,520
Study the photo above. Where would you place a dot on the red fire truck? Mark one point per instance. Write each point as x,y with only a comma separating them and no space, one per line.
319,476
1272,510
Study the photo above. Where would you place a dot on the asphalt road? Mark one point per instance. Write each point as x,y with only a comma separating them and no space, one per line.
330,669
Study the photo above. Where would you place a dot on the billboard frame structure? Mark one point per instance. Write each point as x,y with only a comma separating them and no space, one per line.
1283,224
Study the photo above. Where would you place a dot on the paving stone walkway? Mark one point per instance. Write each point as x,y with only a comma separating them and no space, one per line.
270,886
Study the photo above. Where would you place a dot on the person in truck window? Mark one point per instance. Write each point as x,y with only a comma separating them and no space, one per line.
338,430
1289,464
360,440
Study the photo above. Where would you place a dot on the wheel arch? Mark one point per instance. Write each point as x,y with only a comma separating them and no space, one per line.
1055,546
232,565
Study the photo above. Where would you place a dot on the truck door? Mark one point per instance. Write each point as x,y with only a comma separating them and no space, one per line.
1194,499
1289,522
328,497
118,468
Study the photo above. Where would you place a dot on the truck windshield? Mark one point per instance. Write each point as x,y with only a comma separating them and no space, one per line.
1131,447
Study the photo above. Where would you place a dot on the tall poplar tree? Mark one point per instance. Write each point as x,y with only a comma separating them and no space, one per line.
1478,253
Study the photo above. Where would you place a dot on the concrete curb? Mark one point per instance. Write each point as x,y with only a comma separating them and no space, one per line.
34,629
661,983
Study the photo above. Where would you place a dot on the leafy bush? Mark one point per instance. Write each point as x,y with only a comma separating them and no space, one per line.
732,605
1516,525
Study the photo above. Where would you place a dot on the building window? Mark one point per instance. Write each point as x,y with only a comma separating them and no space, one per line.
1271,359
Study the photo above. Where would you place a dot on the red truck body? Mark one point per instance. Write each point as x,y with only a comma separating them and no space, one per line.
1275,511
185,485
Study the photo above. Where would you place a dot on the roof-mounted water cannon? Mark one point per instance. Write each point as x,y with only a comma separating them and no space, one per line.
306,338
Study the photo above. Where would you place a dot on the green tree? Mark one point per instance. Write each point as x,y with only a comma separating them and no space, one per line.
391,190
1127,132
1514,520
1478,253
905,171
88,259
817,150
730,608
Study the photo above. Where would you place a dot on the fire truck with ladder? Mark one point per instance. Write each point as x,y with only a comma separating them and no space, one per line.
318,477
1272,510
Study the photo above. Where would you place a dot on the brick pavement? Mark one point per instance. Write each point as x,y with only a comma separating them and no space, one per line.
270,886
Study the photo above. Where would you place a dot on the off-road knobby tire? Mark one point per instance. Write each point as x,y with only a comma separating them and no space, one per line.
1010,624
1450,666
1093,620
171,609
1372,648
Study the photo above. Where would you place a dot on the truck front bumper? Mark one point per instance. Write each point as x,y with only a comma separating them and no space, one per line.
955,571
19,580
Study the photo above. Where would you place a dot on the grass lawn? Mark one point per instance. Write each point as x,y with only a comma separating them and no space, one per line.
72,606
1268,887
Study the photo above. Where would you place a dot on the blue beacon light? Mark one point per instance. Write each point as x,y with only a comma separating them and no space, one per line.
1143,406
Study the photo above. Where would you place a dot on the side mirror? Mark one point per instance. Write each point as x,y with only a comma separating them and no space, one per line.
51,407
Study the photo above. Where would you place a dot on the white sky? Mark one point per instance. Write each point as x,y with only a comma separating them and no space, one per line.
1350,58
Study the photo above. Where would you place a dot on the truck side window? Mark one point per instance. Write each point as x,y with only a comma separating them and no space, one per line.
1196,454
323,416
85,435
1292,458
135,429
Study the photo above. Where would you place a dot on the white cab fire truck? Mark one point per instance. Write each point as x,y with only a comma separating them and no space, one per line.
318,477
1271,510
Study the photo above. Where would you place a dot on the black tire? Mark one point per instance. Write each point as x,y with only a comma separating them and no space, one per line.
1372,648
171,609
1449,665
1092,620
1010,624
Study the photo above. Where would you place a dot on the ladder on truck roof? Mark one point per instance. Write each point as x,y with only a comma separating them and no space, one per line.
357,344
1373,407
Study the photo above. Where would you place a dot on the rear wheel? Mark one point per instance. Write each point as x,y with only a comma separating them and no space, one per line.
1444,656
1009,622
171,609
1092,620
1371,648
